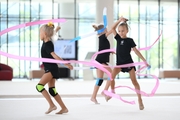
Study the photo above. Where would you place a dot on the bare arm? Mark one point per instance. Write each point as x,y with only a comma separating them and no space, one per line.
108,33
58,58
114,27
140,55
113,30
116,24
57,29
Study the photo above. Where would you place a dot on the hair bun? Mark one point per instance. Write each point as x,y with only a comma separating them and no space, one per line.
95,27
50,24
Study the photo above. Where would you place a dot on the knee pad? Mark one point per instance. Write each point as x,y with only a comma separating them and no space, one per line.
40,87
53,91
99,81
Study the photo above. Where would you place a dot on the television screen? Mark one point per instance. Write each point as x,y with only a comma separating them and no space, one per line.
65,49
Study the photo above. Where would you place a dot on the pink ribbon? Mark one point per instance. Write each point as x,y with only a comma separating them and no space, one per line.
30,24
114,50
102,51
149,47
111,94
118,97
94,63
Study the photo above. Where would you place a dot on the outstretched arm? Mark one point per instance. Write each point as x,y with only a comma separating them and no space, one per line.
140,55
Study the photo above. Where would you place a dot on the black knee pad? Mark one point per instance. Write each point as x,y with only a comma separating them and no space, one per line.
53,91
99,81
40,87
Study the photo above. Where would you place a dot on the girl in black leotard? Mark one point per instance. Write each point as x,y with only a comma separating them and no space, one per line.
123,56
102,59
51,70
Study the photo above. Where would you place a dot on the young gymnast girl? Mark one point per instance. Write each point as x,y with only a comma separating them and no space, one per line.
51,70
123,56
102,59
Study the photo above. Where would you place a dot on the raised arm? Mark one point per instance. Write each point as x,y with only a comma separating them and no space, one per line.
113,29
57,29
108,33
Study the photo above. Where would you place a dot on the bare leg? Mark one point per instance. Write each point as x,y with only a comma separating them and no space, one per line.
58,98
136,85
96,87
94,95
45,79
115,71
108,83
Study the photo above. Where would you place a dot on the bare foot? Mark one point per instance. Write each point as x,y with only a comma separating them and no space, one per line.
50,109
113,91
62,111
105,96
141,106
94,100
